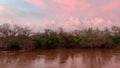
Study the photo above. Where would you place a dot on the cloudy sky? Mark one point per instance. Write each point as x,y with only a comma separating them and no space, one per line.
68,14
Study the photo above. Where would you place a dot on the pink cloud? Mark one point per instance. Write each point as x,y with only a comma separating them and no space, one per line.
8,15
112,6
111,10
67,8
62,8
3,8
70,5
73,5
98,22
113,16
74,23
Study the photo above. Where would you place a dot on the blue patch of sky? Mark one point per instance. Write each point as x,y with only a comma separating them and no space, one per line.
20,5
26,10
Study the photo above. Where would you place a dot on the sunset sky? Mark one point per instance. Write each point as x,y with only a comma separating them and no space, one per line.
68,14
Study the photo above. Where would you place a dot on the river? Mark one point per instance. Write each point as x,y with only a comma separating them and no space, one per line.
62,58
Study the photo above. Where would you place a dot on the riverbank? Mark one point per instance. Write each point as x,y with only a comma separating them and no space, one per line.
58,49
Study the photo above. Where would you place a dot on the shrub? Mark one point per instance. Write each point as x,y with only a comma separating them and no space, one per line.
115,40
17,37
14,45
47,42
70,41
95,38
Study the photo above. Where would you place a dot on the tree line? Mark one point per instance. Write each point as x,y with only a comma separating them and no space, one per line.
14,37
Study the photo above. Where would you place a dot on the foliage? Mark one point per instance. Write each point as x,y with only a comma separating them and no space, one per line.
15,37
70,41
47,42
95,38
14,45
115,40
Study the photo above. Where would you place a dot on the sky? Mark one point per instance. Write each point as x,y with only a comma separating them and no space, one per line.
68,14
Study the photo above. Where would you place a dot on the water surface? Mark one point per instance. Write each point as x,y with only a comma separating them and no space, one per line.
62,58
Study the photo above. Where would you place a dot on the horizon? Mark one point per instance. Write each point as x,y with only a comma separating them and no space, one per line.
68,14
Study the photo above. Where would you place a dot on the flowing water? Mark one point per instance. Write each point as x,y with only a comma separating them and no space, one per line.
62,58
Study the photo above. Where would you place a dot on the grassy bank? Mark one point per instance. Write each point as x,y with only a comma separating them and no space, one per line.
22,38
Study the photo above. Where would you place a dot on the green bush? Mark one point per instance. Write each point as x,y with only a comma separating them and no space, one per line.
115,40
47,42
95,39
17,37
70,41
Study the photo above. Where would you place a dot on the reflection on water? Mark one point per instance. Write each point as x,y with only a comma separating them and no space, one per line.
75,58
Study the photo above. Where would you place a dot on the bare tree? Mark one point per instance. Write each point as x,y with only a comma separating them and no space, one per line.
15,36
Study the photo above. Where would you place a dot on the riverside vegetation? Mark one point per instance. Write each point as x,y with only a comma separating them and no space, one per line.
14,37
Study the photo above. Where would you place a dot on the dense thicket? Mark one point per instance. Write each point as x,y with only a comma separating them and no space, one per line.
22,38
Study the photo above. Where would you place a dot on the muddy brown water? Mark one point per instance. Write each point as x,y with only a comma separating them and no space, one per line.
62,58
